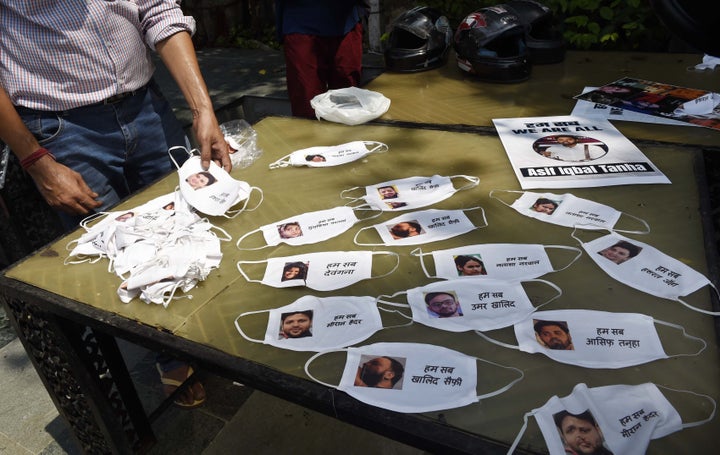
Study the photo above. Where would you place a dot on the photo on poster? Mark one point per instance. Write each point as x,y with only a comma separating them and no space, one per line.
573,152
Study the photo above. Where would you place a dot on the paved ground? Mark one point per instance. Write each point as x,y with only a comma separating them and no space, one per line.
235,419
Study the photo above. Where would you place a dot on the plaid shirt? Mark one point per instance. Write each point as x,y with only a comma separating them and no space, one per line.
61,54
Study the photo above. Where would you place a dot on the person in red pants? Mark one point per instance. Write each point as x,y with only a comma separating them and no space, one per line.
323,47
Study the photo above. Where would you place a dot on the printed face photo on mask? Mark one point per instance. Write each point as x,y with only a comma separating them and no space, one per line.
294,271
380,372
620,252
290,230
443,305
169,206
200,180
396,205
469,265
545,205
296,324
315,158
553,334
580,433
405,229
124,217
388,192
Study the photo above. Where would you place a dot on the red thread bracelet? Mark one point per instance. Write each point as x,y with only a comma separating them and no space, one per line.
29,160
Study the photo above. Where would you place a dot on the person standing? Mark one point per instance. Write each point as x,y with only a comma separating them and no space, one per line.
80,110
322,41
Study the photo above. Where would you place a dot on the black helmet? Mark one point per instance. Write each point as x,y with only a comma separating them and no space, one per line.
545,43
489,43
419,40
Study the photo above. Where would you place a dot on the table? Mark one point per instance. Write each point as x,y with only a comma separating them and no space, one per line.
67,315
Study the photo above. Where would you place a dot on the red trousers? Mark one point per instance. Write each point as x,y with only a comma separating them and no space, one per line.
316,64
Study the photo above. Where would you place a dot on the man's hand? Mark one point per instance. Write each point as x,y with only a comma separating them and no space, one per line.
211,141
62,187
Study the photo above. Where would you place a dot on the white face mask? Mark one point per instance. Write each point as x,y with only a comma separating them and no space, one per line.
212,191
461,305
500,261
646,269
411,377
306,228
422,227
316,324
614,419
325,271
410,193
568,210
330,155
593,339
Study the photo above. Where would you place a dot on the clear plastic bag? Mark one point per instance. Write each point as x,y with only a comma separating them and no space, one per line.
242,139
351,105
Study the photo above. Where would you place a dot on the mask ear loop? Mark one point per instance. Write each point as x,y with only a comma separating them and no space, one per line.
686,335
521,432
350,198
491,194
179,147
379,147
355,241
701,395
282,162
388,253
242,272
552,285
367,206
310,360
418,252
643,222
497,342
230,214
237,325
564,247
247,234
379,299
484,218
506,387
474,181
700,310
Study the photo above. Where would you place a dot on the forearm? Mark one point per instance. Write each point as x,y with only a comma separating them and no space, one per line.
178,55
13,131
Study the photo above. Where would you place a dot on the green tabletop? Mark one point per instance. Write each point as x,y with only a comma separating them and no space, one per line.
448,96
672,212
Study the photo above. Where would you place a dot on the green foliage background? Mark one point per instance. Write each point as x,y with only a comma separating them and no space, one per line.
586,24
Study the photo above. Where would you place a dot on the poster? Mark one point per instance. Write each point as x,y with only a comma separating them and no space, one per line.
689,105
573,152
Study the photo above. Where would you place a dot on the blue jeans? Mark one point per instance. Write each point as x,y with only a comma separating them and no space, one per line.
118,148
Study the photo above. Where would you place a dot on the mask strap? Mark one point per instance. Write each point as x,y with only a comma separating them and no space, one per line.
367,206
89,260
307,367
474,181
499,343
379,299
282,162
418,252
484,218
226,238
242,272
491,194
686,335
506,387
247,234
388,253
237,325
700,310
387,310
643,222
178,147
166,299
552,285
84,223
350,190
355,239
701,395
564,247
376,147
234,213
521,432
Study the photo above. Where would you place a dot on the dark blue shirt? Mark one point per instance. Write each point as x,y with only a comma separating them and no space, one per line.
318,17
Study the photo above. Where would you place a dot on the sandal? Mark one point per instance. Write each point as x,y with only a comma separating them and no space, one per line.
195,391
